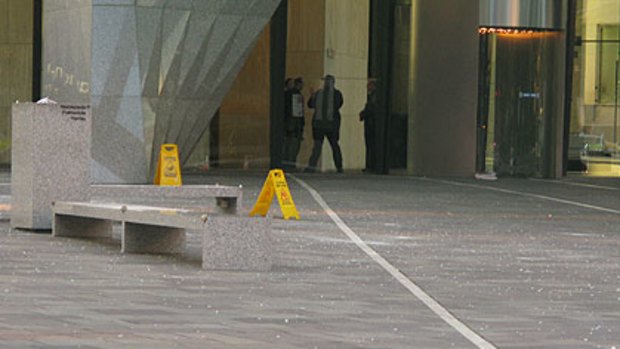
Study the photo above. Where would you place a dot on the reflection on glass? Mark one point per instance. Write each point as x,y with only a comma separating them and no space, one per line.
238,136
594,137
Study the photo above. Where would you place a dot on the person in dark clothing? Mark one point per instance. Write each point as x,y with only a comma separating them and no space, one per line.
368,117
288,90
294,123
326,103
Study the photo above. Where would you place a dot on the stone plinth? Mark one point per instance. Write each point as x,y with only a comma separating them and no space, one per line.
237,243
50,160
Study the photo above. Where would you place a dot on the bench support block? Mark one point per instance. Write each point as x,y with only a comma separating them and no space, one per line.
73,226
237,243
226,205
144,238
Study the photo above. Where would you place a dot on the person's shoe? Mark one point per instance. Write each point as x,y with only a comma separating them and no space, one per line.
339,170
309,170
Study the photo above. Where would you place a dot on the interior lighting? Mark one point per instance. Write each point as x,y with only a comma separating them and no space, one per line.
504,31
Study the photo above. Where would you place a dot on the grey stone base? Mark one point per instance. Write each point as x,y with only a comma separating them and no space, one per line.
237,243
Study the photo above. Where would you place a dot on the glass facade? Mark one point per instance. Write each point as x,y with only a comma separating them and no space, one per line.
517,104
238,135
593,137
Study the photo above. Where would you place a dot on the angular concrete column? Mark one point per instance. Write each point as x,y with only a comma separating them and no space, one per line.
154,71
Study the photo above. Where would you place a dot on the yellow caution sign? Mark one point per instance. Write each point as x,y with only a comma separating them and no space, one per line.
168,170
275,184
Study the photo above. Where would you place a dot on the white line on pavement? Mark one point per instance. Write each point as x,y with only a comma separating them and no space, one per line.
537,196
576,184
433,305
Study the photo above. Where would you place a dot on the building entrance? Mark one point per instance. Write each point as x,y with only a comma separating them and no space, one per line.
517,101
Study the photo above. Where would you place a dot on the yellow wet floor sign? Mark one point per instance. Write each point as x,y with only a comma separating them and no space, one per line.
168,170
275,184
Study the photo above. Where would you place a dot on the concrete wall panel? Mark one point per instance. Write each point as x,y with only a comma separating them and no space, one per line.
444,87
4,21
20,14
16,18
346,57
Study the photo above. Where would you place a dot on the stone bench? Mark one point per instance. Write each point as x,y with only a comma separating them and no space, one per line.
228,198
229,242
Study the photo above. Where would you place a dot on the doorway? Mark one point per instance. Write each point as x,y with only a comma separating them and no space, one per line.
516,101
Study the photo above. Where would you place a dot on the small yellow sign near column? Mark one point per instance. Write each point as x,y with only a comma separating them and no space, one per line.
275,184
168,170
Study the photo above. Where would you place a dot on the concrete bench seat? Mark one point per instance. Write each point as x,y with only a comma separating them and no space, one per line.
229,242
228,198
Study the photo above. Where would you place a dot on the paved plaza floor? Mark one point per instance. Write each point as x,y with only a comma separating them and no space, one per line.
374,262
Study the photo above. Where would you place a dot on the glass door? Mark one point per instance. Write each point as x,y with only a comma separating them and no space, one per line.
516,101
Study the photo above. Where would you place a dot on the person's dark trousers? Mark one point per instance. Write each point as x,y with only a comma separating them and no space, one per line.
292,143
332,137
369,138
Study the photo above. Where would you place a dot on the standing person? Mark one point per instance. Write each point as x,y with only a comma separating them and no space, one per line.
368,116
326,103
288,90
294,124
